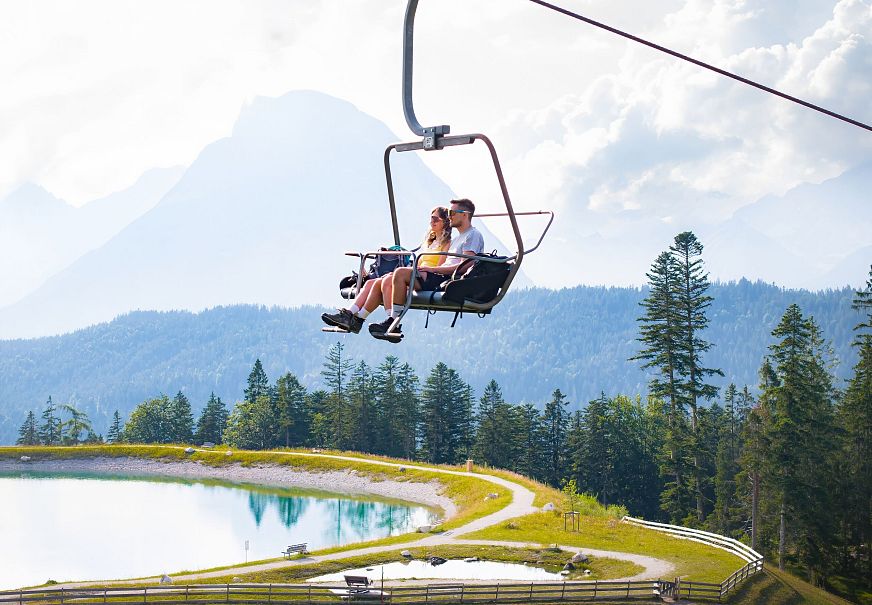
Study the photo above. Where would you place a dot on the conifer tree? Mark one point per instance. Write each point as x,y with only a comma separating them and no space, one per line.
179,420
294,418
114,433
337,416
78,423
445,411
28,433
856,423
258,383
50,429
362,409
555,420
529,435
407,412
660,335
492,441
800,440
212,421
691,303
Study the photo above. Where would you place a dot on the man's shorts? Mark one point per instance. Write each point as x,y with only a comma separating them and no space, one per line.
431,281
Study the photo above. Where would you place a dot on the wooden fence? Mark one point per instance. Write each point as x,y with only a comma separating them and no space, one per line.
704,590
247,594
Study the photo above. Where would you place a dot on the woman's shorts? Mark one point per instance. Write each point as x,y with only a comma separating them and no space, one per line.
431,281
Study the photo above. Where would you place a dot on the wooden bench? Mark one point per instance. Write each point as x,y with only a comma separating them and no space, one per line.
358,584
296,548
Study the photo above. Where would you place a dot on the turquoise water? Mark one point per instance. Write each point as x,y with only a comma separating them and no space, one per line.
68,527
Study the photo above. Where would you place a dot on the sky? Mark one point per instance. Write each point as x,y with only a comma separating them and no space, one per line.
599,129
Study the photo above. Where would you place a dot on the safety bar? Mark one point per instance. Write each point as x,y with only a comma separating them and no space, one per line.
537,212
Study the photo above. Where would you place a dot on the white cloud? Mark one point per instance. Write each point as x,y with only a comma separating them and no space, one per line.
611,134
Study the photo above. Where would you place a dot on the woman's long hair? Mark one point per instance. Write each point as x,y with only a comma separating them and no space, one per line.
443,238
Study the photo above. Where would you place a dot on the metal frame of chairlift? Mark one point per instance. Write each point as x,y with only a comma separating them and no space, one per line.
436,138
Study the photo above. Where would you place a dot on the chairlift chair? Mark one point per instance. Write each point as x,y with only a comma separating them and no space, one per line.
436,138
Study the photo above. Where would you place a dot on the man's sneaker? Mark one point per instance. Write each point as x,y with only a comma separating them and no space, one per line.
344,319
380,328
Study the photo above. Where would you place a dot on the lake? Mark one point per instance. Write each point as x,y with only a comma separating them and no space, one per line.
65,527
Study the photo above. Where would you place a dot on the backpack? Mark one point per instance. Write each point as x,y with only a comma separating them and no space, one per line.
476,280
382,265
385,263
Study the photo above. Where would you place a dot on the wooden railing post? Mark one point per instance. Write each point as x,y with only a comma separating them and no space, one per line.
497,593
228,592
563,592
144,595
62,595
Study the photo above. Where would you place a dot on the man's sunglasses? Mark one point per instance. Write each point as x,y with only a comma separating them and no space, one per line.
453,212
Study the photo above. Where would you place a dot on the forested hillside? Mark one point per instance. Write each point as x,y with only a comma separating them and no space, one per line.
577,339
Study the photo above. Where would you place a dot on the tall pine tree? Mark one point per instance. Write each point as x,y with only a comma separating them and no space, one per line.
28,433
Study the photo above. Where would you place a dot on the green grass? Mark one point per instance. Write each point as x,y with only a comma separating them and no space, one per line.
774,587
692,560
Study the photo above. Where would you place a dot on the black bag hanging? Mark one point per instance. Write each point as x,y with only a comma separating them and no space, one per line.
476,280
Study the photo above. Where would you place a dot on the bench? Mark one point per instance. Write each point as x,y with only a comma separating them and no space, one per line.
358,583
296,548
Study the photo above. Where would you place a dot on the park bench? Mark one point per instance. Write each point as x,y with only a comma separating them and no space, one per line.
358,584
296,548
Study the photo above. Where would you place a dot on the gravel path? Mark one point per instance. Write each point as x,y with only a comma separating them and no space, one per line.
350,482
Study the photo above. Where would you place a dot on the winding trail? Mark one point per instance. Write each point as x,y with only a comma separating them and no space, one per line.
521,504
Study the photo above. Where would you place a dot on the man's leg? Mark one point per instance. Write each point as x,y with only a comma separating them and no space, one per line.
400,285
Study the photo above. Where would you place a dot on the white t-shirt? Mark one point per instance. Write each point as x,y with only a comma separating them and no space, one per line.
471,239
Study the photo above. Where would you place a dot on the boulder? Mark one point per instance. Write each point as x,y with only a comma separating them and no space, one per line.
564,572
25,458
580,557
548,507
165,579
406,554
491,496
471,559
434,561
236,580
587,572
228,453
569,567
423,529
189,450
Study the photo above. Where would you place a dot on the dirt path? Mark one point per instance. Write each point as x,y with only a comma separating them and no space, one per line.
521,504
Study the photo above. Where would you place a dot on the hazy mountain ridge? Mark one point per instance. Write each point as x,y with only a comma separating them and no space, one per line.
41,234
261,217
576,339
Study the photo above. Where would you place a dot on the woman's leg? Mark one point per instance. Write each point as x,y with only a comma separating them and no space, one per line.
368,285
376,295
386,290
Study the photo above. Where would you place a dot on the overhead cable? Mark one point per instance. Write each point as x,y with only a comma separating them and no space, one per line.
702,64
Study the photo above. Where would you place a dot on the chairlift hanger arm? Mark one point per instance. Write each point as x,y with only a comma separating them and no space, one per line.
430,133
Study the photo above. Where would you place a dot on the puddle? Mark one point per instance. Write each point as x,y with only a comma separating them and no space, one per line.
450,570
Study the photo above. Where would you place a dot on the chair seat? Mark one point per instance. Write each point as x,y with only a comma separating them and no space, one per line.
423,301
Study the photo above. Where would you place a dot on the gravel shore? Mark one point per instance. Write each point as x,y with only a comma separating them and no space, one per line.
345,482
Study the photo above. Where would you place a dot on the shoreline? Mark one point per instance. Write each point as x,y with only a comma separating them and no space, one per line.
348,482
